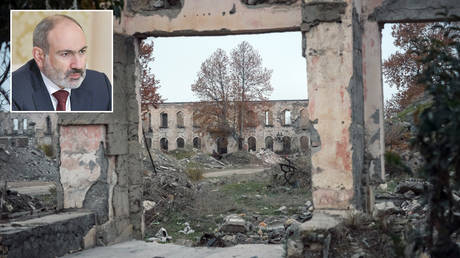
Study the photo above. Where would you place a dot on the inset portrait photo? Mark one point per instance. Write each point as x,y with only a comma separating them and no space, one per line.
61,60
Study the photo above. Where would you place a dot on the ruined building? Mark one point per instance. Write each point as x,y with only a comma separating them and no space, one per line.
282,126
28,129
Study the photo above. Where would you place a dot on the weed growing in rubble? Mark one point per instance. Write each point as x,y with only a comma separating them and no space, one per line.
47,149
194,172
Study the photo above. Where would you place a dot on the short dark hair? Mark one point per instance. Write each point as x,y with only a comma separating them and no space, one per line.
40,36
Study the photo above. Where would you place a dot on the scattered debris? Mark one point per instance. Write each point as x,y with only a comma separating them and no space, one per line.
234,223
268,157
148,205
241,158
26,164
187,230
161,236
15,202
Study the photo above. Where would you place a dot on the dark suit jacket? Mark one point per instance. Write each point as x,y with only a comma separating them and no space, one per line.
29,92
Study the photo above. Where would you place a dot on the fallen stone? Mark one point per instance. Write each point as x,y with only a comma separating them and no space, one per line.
418,187
162,236
234,224
148,205
187,230
385,208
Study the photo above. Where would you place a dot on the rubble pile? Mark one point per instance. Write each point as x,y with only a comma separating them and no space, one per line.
164,192
255,228
16,202
162,161
268,157
26,164
241,158
205,161
407,200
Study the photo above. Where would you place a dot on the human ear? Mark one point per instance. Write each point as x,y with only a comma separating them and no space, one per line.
39,56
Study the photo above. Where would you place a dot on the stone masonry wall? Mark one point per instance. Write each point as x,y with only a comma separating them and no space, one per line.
102,170
300,126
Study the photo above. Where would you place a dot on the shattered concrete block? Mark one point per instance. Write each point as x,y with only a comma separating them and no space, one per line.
309,239
234,224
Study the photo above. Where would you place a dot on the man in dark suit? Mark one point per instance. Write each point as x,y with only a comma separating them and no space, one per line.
56,78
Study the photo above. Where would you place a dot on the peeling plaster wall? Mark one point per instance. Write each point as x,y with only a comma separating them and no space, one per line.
373,103
208,143
329,53
101,165
81,162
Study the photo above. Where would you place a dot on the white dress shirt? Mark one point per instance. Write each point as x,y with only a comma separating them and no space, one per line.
52,88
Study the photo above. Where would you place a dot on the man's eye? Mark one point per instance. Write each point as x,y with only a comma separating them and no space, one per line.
83,51
64,54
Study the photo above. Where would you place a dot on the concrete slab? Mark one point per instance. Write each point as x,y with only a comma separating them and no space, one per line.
320,221
142,249
33,188
49,236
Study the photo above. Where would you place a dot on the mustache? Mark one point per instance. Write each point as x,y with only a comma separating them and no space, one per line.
75,70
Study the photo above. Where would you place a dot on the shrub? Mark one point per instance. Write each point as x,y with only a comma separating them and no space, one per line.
47,149
394,165
194,172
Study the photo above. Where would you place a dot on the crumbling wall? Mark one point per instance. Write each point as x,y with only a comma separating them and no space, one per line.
109,160
37,128
329,53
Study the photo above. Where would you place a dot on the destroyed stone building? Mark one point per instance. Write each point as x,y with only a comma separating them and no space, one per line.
282,126
28,129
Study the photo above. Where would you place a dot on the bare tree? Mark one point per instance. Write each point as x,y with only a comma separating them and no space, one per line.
213,88
226,88
4,76
249,79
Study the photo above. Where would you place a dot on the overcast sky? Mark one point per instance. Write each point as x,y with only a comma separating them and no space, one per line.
178,60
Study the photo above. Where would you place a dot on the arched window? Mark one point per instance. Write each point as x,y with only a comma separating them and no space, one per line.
304,143
303,119
164,144
286,145
222,145
197,143
286,119
24,124
269,143
195,121
180,119
180,143
48,125
268,118
251,144
164,120
15,124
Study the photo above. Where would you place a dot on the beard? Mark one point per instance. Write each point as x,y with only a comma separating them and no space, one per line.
62,78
